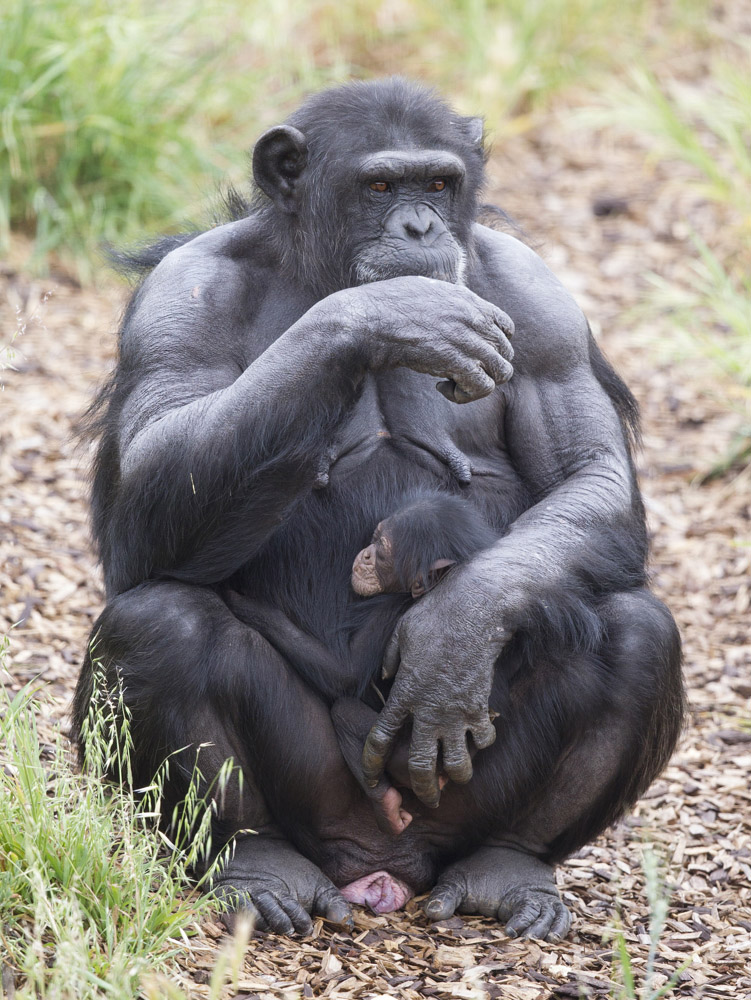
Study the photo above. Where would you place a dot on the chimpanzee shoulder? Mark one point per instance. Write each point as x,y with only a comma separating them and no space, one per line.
552,334
202,290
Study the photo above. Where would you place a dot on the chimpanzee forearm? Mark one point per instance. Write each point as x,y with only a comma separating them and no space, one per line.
585,535
203,485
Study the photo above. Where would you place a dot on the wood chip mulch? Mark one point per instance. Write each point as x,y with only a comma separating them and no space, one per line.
698,814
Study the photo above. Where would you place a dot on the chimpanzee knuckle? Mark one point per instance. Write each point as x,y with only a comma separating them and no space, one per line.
458,767
473,385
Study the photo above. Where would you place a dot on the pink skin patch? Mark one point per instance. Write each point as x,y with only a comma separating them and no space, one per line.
398,819
380,891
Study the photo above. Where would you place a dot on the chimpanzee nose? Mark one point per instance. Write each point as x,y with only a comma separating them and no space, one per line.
413,222
418,222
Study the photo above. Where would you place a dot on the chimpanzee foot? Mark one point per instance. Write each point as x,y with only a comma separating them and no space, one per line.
268,878
517,888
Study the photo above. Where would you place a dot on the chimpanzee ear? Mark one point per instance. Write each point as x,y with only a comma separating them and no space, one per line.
437,570
279,158
474,129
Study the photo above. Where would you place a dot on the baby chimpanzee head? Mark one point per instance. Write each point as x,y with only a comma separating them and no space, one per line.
412,549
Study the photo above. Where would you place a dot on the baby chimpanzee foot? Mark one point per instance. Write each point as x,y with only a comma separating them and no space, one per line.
352,722
515,887
397,819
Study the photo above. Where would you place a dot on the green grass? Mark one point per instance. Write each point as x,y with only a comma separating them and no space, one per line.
119,117
624,974
705,125
93,902
101,125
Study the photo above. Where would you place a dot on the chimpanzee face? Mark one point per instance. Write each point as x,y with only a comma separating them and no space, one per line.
373,185
407,201
373,568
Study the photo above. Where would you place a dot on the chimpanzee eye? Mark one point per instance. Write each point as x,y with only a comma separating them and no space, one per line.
380,186
437,184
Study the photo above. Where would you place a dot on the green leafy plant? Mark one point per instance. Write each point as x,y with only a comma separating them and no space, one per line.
624,976
91,902
706,125
118,117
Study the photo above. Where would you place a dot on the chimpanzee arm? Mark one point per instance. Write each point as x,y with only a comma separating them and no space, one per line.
203,455
211,454
584,533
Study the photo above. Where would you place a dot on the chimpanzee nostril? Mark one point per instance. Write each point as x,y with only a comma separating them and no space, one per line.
418,225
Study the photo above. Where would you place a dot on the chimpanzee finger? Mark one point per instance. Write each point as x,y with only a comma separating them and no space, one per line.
561,924
242,907
541,927
495,325
523,919
332,906
270,909
298,915
423,764
490,360
391,657
443,900
457,762
380,741
483,735
467,386
505,324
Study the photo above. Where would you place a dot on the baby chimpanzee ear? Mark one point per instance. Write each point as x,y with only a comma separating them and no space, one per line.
437,570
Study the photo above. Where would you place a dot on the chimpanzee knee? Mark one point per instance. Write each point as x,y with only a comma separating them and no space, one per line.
645,651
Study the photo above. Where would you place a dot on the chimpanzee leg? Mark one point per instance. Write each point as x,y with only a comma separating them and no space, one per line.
193,676
629,725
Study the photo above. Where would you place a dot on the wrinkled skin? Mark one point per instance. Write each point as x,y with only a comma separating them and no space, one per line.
274,398
373,568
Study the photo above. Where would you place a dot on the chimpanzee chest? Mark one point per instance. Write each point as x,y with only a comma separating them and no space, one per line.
403,411
402,436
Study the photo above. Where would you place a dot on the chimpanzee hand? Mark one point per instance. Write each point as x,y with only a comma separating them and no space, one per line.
431,326
269,878
443,652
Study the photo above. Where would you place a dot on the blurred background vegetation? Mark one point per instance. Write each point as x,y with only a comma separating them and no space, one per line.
123,117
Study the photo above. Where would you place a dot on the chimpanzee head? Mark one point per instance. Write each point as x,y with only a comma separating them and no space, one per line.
411,550
372,181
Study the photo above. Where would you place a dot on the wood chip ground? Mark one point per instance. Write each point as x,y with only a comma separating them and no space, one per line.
699,812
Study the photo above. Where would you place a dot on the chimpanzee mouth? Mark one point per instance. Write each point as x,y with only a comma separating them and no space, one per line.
447,263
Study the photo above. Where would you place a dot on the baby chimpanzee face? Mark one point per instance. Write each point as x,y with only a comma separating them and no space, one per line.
373,568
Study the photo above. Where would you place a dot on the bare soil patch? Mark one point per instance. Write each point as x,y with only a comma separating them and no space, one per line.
698,814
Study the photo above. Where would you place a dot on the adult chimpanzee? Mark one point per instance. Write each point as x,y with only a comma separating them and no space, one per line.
274,397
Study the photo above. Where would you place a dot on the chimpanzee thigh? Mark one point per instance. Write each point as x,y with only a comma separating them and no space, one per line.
199,683
581,737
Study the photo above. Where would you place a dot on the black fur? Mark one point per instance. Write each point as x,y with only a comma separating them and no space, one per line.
226,515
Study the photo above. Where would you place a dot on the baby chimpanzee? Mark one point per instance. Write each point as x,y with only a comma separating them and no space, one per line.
411,550
408,554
